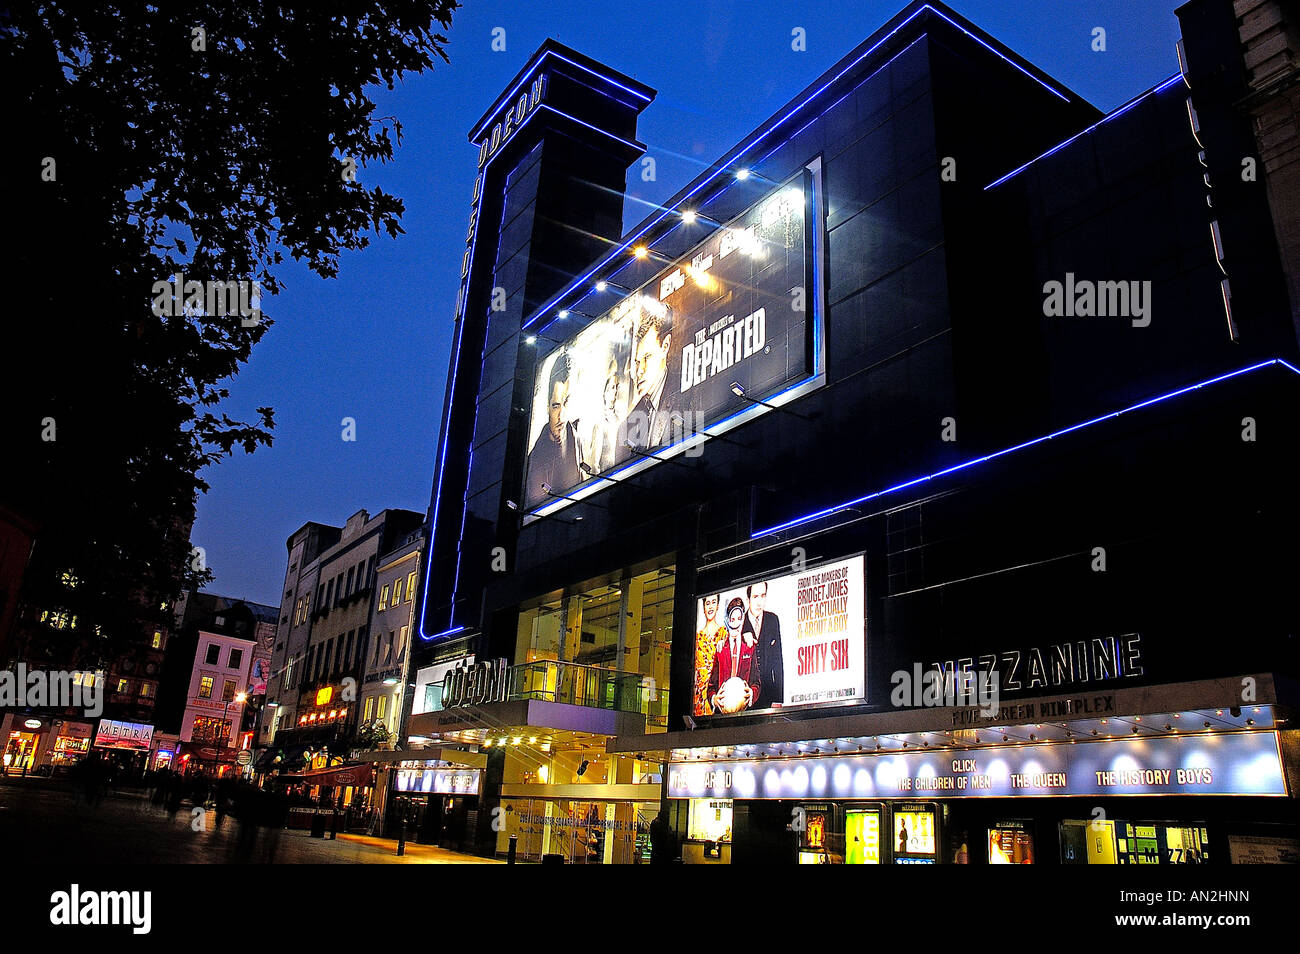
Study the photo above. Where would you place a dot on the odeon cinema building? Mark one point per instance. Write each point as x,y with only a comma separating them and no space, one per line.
916,485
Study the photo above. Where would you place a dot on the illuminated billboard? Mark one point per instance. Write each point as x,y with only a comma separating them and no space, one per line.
782,643
659,367
123,735
1219,763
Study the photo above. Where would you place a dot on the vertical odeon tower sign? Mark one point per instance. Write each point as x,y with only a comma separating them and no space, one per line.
552,156
491,143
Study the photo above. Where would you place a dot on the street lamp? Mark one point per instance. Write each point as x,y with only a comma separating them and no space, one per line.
241,698
739,390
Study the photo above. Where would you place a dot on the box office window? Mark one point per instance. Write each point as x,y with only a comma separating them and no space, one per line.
710,819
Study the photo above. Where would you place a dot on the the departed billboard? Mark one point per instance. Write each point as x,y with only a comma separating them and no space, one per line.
787,642
659,366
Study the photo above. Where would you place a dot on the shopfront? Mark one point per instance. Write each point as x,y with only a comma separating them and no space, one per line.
1145,792
23,744
437,799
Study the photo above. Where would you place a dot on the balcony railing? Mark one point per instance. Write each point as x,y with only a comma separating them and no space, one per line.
576,685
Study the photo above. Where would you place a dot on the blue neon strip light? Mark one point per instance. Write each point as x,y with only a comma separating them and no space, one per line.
639,147
532,74
1105,119
771,127
838,508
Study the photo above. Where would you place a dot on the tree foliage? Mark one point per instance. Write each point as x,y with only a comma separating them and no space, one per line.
209,139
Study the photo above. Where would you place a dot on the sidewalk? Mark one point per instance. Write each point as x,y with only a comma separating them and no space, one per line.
429,854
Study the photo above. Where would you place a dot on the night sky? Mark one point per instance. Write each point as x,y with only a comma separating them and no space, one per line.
373,344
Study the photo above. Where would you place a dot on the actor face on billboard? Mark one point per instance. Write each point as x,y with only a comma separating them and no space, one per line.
651,359
707,639
734,679
765,628
554,460
603,444
558,408
648,423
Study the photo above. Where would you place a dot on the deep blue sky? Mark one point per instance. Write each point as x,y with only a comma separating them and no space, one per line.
373,344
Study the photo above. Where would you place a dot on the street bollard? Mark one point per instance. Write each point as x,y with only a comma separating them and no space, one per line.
401,837
514,847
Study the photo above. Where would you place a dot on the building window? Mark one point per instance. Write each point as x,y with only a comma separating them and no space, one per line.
157,640
383,598
329,594
208,729
401,645
397,591
383,707
146,690
214,651
236,658
351,572
205,687
123,685
369,706
228,691
410,587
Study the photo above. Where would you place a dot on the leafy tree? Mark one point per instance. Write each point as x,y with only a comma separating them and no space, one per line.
208,139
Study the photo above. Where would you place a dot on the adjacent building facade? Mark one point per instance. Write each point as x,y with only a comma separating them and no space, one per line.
906,488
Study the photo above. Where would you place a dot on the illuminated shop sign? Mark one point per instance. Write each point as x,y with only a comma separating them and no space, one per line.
123,735
440,781
1211,764
659,367
788,642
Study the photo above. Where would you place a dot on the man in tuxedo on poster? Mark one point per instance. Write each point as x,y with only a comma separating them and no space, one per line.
764,629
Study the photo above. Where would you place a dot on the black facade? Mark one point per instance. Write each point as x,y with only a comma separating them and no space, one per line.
1024,479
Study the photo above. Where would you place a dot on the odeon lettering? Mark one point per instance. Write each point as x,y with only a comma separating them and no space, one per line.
477,684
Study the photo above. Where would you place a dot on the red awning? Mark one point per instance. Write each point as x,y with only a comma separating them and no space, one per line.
340,776
206,751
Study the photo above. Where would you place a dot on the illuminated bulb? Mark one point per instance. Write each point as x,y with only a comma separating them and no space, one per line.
689,216
742,174
518,739
530,340
564,313
640,251
601,285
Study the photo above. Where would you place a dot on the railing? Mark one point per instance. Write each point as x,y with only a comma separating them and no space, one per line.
576,685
